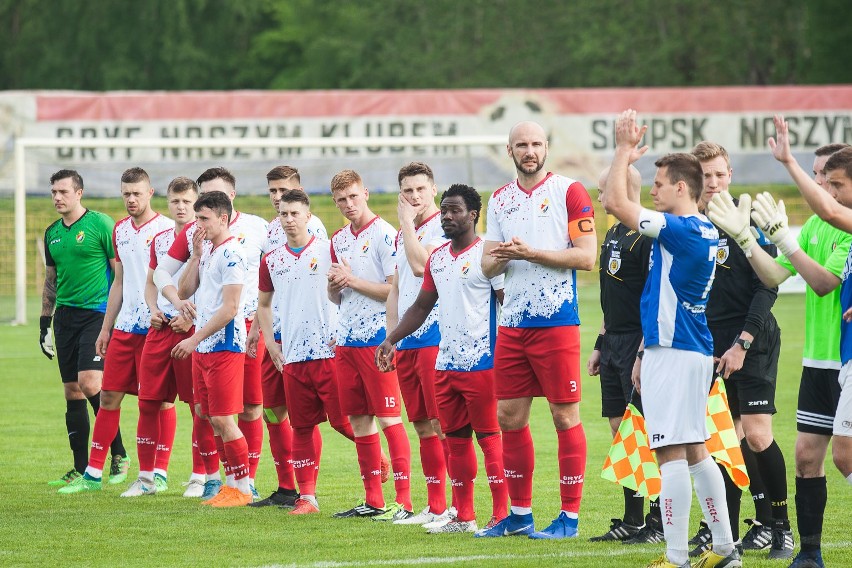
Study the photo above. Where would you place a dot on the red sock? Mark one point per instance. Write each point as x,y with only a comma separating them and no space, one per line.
305,460
106,427
572,467
463,471
492,450
435,471
345,429
399,449
519,463
369,451
253,431
238,458
281,446
317,436
147,433
197,460
446,447
208,447
223,457
168,425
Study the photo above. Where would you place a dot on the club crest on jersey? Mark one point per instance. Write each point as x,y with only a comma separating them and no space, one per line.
722,254
614,265
544,208
365,247
81,236
242,238
465,268
314,264
148,241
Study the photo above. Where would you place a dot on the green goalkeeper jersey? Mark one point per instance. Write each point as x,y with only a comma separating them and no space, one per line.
829,247
81,254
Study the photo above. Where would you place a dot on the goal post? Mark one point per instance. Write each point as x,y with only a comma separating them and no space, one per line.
23,144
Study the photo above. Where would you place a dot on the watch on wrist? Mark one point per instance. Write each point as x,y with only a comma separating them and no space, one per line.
744,343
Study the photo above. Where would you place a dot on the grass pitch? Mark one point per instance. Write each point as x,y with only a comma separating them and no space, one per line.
41,528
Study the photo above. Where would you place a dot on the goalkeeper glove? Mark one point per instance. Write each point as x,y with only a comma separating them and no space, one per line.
732,218
45,339
772,220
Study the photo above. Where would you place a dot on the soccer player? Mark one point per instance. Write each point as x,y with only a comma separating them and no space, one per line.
250,231
817,257
126,312
678,349
359,281
280,180
292,279
161,377
540,230
80,262
746,343
420,232
623,270
464,380
218,344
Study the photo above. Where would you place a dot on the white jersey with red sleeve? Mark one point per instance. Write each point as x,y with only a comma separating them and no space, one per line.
298,280
224,265
251,232
544,217
467,309
427,334
371,255
132,249
160,249
276,238
181,247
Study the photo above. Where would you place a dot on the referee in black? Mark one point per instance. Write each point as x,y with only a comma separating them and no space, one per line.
623,270
746,346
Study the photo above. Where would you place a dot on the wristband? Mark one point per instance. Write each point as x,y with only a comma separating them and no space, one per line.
598,342
788,245
45,321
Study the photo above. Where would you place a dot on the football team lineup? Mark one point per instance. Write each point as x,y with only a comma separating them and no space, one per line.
284,325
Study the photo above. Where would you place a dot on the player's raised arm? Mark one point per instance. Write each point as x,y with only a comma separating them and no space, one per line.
628,135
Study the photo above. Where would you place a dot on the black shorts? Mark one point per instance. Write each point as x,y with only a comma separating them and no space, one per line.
75,332
819,393
751,390
618,354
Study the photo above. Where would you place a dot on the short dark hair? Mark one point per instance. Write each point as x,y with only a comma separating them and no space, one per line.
415,169
686,168
216,201
471,197
135,175
181,184
283,172
830,149
295,196
76,179
217,173
841,160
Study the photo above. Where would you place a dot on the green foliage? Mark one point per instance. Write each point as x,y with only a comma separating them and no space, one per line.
408,44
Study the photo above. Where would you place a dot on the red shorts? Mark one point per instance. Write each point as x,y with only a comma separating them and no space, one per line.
219,382
252,383
415,369
364,390
538,361
466,398
122,362
162,377
312,389
272,383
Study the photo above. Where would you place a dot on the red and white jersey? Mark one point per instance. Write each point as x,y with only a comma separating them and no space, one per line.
276,237
298,280
132,249
370,253
224,265
427,334
536,295
467,308
160,249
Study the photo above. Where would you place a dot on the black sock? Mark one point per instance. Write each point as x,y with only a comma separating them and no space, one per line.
116,448
77,423
654,510
774,473
757,487
634,507
733,494
811,496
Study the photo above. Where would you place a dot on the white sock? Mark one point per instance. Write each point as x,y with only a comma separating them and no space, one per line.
198,477
675,503
243,485
94,473
571,515
147,475
214,476
849,478
311,499
521,510
231,481
161,472
710,489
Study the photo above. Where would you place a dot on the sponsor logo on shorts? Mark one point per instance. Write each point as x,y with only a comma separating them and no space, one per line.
658,437
97,359
847,424
758,403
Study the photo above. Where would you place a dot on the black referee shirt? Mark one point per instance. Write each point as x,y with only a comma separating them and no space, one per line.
623,270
